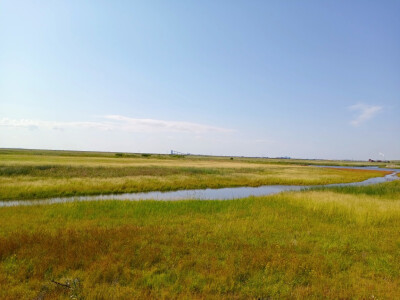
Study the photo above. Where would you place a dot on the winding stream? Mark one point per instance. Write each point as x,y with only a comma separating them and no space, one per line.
208,194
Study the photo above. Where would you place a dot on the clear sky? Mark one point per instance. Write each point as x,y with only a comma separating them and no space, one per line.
309,79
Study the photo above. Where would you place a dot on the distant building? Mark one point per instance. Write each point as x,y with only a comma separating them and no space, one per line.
380,161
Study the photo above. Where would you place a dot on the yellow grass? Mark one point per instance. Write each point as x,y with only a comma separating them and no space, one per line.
24,176
316,244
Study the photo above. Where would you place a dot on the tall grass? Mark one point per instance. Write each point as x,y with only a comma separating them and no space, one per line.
317,244
31,176
377,190
124,157
340,242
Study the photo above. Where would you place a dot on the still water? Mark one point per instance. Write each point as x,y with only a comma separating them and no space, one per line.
207,194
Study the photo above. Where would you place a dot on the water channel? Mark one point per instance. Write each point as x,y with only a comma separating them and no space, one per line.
208,194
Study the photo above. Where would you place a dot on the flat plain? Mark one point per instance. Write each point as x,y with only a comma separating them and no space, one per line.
45,174
323,243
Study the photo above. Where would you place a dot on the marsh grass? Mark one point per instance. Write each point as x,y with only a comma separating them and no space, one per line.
317,244
377,190
31,176
35,187
61,171
336,243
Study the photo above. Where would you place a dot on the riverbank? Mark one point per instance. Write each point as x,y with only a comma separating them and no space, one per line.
200,194
336,243
37,175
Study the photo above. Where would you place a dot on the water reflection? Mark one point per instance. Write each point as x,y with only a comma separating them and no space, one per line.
205,194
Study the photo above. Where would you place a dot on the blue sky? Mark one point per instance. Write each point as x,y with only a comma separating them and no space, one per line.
310,79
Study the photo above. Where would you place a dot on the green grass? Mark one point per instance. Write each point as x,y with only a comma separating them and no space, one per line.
377,190
91,154
43,174
326,244
62,171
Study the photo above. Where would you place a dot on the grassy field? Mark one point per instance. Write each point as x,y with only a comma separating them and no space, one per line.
341,243
42,174
88,154
325,243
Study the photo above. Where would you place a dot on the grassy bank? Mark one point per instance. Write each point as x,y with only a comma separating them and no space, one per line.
337,243
258,160
43,174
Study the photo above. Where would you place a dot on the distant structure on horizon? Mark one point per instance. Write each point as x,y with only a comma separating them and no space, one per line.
384,161
173,152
